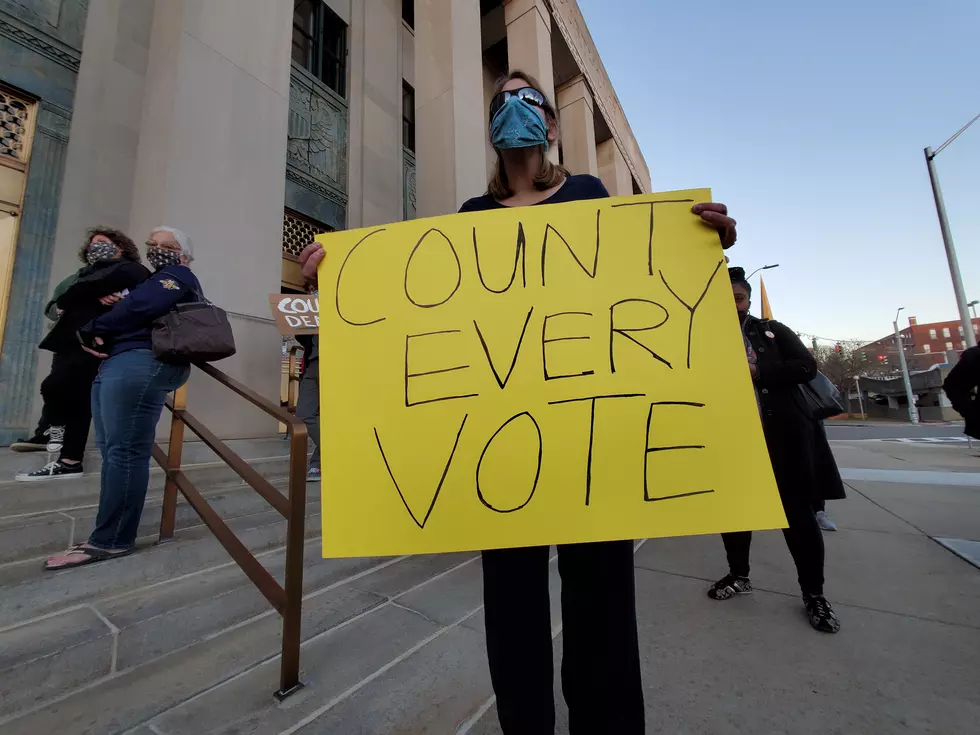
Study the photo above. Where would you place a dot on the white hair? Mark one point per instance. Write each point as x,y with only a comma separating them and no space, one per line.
186,247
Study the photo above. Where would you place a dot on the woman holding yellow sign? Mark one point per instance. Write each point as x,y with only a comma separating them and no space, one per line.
601,666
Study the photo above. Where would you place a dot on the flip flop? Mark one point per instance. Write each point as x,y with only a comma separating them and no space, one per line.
82,554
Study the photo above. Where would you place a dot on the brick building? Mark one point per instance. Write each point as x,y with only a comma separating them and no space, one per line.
925,345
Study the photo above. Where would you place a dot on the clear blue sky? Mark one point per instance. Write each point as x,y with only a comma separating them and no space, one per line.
808,119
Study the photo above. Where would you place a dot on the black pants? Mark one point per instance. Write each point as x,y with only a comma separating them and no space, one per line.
600,670
67,393
308,408
803,538
44,422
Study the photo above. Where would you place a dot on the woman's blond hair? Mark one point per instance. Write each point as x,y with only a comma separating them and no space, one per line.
550,174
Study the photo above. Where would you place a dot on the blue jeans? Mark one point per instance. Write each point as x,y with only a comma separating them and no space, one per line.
127,399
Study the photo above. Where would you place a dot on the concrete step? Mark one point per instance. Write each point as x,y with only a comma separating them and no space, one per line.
195,452
28,592
381,673
175,639
159,599
64,495
200,652
34,536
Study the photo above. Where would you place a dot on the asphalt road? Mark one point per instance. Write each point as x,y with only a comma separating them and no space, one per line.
873,430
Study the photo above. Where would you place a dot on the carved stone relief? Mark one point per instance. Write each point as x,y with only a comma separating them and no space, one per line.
317,133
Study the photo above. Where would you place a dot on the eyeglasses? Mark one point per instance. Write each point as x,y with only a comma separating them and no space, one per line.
526,94
164,245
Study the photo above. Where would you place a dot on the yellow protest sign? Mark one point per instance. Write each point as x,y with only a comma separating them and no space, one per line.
543,375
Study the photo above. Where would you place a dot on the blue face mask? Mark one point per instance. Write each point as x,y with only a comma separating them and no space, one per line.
518,125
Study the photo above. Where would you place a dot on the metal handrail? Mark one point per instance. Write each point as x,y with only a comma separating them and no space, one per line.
287,599
293,377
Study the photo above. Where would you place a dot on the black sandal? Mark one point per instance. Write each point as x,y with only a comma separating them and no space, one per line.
86,555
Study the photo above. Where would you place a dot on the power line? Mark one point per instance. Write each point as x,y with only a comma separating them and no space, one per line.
835,339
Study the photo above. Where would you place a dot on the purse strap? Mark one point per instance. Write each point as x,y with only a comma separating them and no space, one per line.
195,292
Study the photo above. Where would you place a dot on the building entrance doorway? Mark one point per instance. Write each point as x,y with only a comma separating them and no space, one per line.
17,117
297,232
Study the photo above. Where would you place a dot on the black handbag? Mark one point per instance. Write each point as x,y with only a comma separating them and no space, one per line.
197,331
821,398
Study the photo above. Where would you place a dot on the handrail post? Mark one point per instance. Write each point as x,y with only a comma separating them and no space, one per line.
175,450
292,383
292,615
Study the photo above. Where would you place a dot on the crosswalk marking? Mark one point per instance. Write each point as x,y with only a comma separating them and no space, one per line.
930,440
908,440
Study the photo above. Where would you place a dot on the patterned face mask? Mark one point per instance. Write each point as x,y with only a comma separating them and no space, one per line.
162,257
99,251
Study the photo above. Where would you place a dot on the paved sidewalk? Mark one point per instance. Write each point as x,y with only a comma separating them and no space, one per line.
905,661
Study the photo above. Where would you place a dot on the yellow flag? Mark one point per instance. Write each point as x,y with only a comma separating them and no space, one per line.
766,309
533,376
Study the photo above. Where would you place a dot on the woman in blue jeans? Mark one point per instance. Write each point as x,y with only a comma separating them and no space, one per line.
129,393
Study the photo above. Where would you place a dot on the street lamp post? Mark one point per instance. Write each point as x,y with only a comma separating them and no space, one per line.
973,307
954,266
913,412
763,268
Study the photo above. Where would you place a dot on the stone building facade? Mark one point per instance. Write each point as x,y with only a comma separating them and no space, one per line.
252,125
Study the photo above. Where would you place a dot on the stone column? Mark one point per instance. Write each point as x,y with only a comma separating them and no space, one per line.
575,107
613,171
211,161
450,126
529,45
375,150
529,41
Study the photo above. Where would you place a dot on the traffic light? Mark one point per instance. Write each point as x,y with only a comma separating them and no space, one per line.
837,347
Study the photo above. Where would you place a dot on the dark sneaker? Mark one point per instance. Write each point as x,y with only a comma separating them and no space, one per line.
729,586
37,443
51,471
821,614
56,438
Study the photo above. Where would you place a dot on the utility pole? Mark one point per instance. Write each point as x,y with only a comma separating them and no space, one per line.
909,396
857,384
954,266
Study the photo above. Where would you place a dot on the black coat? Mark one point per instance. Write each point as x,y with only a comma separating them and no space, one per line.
830,486
961,385
310,344
784,363
80,303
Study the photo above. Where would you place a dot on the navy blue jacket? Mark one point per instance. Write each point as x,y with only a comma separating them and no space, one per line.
129,324
576,188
